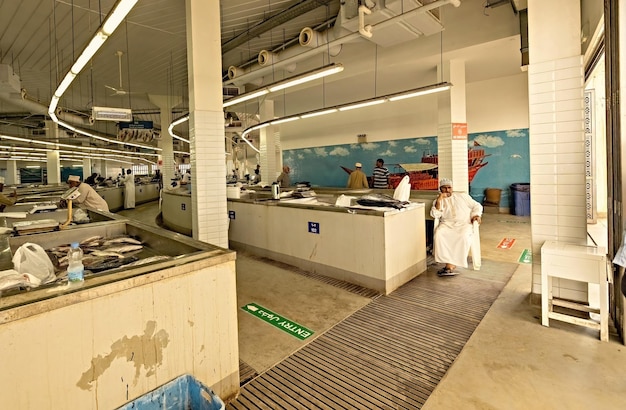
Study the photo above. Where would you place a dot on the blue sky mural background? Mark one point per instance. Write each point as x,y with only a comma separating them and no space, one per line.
508,160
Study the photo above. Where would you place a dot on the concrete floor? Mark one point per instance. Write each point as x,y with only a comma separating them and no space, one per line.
510,362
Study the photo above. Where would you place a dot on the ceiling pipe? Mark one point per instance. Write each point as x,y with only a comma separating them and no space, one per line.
22,101
294,54
267,58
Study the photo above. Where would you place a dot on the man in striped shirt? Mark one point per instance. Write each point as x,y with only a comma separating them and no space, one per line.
381,175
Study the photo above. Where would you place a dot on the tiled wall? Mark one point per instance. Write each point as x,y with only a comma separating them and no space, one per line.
557,162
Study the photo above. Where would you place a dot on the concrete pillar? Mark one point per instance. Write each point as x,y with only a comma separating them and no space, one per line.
270,163
103,168
12,177
452,126
556,116
165,104
53,159
206,122
87,170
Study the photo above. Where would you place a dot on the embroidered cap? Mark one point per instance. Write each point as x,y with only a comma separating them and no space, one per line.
73,178
358,165
445,182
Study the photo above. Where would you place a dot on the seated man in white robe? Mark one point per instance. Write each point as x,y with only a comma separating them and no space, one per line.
456,212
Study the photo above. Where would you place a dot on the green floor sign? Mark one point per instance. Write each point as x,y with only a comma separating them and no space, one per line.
526,257
278,321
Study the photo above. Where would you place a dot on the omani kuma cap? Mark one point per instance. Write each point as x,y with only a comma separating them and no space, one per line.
73,178
358,165
445,182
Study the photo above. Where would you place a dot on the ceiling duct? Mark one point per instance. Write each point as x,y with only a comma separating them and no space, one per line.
387,31
276,20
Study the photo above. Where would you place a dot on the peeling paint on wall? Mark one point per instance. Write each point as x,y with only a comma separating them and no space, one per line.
144,350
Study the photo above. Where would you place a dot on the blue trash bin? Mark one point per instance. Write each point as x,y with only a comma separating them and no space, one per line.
182,393
520,199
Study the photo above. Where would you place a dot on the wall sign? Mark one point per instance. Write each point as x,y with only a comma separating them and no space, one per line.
459,130
314,227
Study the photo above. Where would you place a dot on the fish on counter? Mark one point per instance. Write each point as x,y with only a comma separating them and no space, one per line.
149,260
121,239
123,248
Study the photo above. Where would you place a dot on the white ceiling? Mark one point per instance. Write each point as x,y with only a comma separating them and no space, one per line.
41,38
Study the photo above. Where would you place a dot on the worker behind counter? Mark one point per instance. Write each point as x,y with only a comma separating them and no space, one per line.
88,198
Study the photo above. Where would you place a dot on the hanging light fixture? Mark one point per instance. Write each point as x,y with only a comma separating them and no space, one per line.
412,93
325,71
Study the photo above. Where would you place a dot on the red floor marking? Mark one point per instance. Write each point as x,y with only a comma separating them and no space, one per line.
506,243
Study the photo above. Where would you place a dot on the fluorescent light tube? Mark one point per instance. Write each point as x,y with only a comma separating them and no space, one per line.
245,97
283,120
307,77
417,93
361,105
119,13
92,48
315,114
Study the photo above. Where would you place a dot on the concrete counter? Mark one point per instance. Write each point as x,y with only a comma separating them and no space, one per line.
123,333
376,249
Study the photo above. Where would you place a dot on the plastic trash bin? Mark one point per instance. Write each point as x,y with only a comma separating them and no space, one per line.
520,197
182,393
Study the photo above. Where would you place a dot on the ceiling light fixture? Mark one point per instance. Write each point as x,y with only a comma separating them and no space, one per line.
116,16
85,149
170,129
306,77
318,113
325,71
363,104
415,92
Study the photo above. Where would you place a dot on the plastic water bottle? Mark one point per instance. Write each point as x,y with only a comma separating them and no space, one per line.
75,269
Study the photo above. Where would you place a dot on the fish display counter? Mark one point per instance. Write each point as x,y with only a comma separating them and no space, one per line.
113,195
153,305
176,210
377,248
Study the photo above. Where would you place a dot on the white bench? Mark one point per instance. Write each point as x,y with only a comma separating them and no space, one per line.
580,263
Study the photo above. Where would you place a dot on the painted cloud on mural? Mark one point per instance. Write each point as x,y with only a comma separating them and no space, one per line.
487,140
515,133
340,151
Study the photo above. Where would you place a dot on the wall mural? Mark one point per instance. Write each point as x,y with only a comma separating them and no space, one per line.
496,159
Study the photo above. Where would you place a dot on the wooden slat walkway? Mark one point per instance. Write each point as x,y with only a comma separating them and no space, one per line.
391,354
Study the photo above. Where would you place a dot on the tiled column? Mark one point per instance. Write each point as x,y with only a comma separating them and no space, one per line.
12,174
206,122
165,104
557,152
452,146
53,160
269,165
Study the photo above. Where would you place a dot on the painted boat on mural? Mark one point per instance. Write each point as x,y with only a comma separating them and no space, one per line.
424,175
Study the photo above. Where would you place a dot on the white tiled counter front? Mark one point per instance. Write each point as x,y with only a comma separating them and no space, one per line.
379,250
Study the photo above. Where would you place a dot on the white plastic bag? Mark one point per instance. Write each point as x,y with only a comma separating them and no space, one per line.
33,259
10,279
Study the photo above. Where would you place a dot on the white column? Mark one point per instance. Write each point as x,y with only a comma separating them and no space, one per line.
53,159
12,177
556,114
206,122
270,165
103,168
87,170
452,127
165,104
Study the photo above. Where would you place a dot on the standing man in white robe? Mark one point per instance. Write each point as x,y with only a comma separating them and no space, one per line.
456,212
129,190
